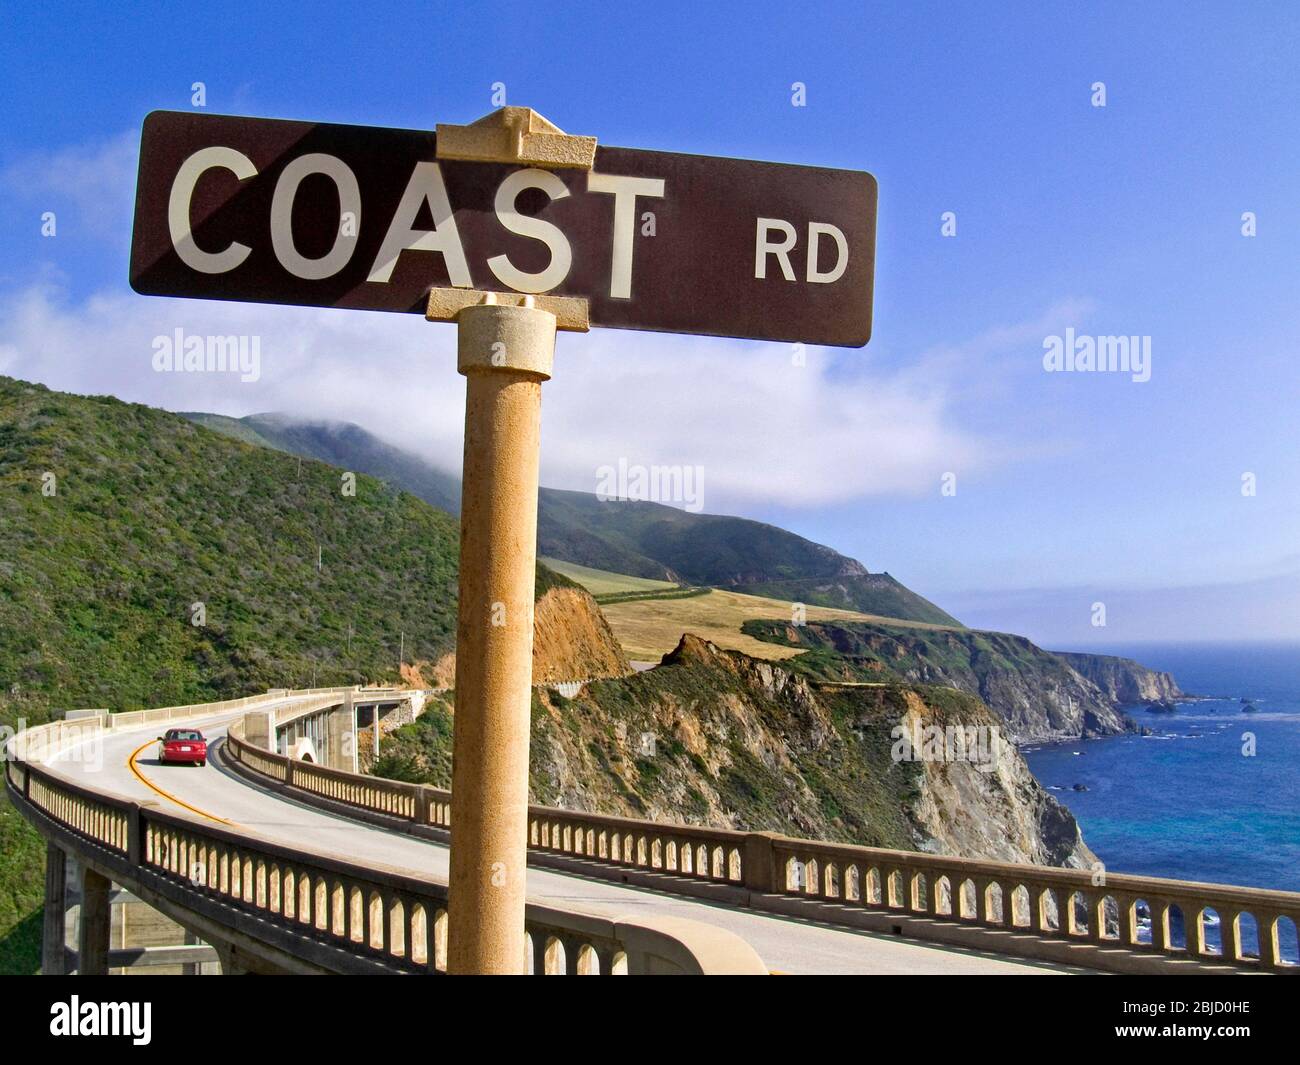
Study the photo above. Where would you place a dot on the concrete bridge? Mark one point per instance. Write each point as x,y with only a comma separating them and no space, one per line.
270,862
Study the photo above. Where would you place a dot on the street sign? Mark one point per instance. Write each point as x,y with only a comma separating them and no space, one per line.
362,217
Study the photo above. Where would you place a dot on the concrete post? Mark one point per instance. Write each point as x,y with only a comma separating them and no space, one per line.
54,953
758,863
505,353
351,754
259,729
96,923
340,736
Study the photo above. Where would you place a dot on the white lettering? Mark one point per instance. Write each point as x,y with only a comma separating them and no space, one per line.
815,232
625,191
282,216
527,226
426,186
764,247
178,209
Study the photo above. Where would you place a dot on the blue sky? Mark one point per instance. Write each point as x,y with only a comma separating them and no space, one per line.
1071,488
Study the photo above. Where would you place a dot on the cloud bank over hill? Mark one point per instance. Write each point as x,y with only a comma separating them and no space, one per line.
766,423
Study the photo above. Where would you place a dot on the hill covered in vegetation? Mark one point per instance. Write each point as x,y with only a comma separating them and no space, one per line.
149,561
637,538
344,445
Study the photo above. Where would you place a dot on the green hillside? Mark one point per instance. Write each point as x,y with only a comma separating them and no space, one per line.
601,582
632,538
692,548
119,520
868,593
150,515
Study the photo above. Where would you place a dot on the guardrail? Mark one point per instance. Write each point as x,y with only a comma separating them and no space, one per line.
1139,917
331,913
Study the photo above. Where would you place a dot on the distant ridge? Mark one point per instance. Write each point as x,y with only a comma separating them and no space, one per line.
344,445
637,538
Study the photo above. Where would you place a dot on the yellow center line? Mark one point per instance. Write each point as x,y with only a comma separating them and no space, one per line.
130,764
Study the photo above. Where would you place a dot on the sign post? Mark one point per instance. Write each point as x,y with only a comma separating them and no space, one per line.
505,354
573,235
505,347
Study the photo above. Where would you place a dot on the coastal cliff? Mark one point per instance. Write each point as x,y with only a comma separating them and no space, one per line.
718,738
1123,680
1038,695
571,640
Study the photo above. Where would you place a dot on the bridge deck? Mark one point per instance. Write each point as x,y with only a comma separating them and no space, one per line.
786,945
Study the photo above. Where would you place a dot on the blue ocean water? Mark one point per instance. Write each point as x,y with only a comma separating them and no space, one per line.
1187,803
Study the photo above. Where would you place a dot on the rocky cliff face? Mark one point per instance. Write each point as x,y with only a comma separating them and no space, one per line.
994,809
1037,694
715,737
1122,680
571,641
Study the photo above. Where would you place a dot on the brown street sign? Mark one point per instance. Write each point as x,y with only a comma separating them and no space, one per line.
323,215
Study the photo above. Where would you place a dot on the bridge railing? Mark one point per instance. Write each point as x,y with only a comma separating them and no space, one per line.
1139,913
383,919
1257,928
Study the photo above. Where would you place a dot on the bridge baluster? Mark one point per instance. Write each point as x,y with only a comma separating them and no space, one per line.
1230,934
1039,900
572,955
1193,927
606,957
1270,944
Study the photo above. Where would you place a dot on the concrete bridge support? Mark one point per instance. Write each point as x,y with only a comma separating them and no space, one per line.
54,952
341,736
95,926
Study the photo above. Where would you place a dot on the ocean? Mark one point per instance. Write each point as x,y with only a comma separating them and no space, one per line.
1190,802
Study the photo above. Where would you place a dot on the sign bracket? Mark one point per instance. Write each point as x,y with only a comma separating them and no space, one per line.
446,303
517,135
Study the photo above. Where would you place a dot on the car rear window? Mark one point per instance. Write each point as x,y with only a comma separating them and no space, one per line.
183,734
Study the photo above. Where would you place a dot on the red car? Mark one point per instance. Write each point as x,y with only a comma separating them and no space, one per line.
183,745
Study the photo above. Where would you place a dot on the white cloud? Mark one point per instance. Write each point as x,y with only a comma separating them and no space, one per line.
765,430
94,181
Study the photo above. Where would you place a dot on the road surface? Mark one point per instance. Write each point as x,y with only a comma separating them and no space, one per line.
128,765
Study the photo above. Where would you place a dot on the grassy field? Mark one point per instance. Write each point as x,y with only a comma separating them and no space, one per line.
602,582
650,628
